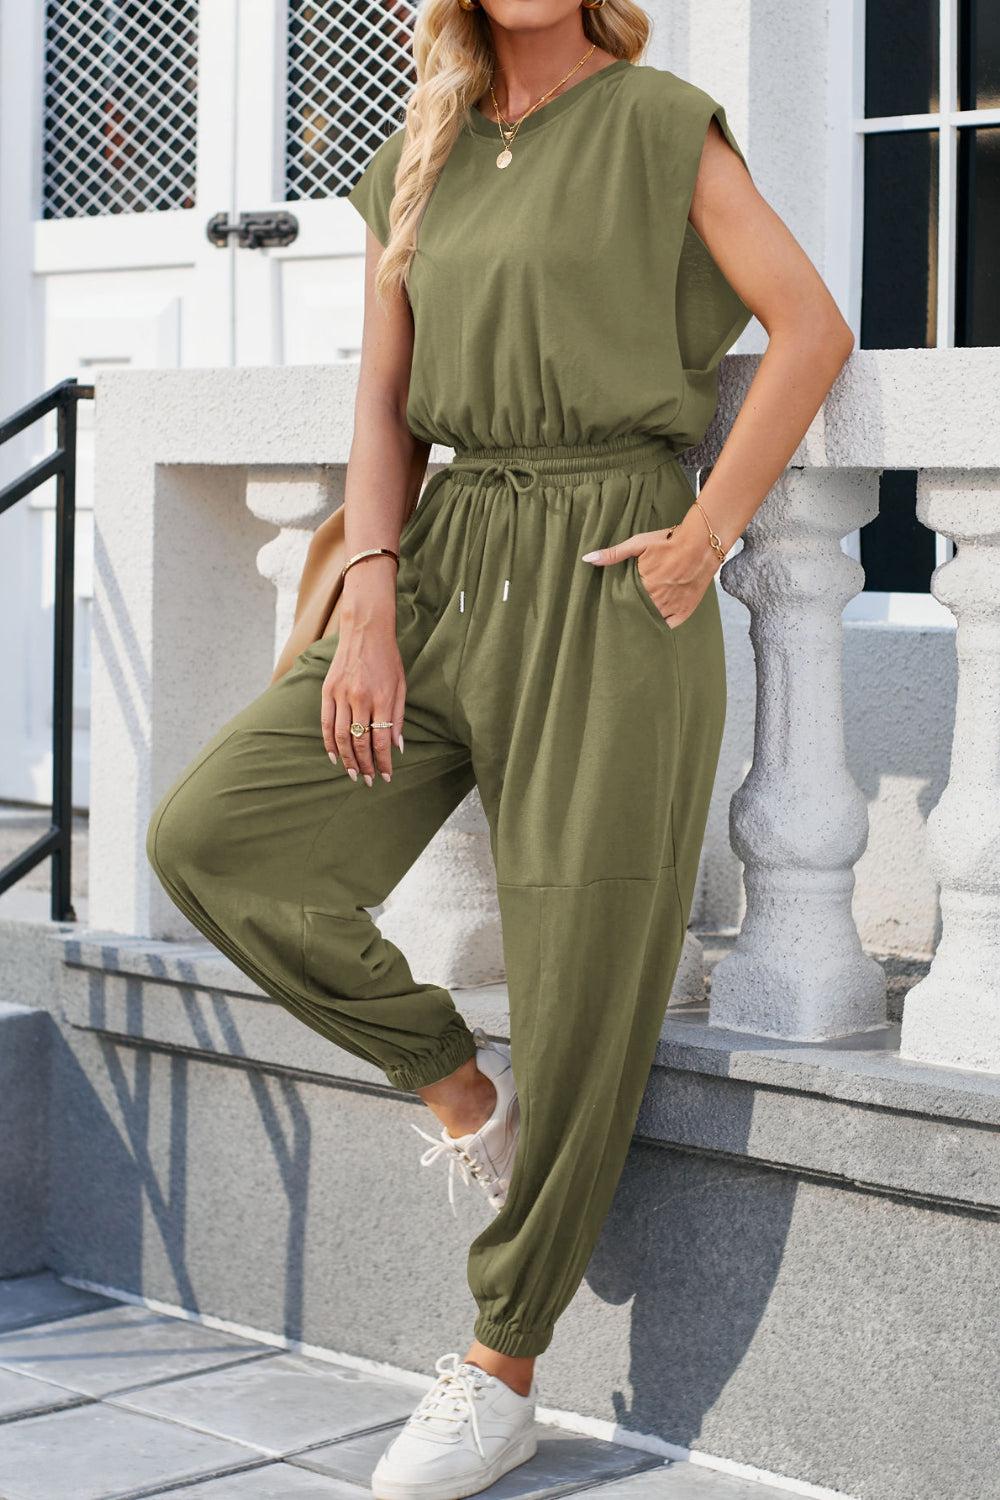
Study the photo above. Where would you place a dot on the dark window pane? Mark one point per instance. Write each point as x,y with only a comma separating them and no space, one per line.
348,72
121,107
902,56
897,550
899,287
977,300
979,54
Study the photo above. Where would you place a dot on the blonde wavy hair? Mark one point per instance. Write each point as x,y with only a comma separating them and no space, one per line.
455,62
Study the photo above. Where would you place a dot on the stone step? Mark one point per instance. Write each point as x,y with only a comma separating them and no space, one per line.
102,1400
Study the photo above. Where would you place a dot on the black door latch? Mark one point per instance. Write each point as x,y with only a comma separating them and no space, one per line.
253,231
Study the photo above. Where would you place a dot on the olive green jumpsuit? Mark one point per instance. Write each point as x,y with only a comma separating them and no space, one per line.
568,326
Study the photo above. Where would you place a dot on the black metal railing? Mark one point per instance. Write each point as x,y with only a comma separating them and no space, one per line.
56,842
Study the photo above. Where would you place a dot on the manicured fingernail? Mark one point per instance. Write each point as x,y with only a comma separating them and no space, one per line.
352,773
369,780
386,776
400,744
332,756
590,557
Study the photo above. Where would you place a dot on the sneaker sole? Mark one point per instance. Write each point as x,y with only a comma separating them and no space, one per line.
519,1452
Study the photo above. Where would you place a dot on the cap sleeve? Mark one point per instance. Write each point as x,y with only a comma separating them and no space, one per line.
372,194
710,315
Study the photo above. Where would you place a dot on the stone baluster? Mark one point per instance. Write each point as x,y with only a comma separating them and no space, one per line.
953,1015
295,500
444,914
799,822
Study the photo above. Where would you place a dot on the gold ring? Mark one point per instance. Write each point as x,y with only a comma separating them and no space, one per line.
384,724
358,730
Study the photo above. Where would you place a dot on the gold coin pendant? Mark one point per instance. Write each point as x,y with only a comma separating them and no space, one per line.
505,158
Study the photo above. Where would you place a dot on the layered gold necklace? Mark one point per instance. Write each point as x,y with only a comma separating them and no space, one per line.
509,131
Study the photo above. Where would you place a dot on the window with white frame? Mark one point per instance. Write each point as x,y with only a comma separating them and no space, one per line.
931,267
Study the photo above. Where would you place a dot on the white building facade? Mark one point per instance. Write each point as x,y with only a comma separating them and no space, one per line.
135,142
817,1166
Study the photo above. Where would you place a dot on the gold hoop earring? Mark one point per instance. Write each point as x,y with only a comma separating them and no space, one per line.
474,4
591,4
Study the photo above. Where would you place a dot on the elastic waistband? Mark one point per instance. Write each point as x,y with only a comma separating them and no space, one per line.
634,452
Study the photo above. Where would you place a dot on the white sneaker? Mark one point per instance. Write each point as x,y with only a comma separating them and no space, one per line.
468,1430
486,1154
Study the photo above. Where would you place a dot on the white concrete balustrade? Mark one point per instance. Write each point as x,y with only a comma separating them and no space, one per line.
799,822
209,483
953,1016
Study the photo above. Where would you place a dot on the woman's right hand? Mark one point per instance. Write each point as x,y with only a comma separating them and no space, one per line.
365,680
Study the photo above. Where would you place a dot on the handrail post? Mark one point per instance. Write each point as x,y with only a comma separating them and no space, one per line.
62,661
56,842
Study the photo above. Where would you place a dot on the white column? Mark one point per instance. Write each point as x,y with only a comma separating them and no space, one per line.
799,822
444,913
296,500
953,1015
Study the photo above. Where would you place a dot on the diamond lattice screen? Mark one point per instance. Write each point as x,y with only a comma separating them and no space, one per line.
120,106
349,70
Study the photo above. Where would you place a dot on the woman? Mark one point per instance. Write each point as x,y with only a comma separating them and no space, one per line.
562,243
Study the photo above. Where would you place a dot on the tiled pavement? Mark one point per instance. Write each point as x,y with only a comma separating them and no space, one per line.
105,1401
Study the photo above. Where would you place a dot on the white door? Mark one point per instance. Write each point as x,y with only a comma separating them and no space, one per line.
155,128
320,84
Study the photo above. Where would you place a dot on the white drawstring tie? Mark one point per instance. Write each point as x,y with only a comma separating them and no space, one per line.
518,477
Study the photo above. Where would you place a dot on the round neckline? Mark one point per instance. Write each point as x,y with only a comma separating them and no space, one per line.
481,125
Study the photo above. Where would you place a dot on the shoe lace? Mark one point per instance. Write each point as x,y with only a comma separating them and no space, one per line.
459,1161
452,1398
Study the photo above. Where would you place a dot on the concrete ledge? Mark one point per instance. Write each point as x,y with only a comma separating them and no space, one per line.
188,998
884,411
850,1111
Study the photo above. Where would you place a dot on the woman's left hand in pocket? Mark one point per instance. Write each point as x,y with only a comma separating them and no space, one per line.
675,565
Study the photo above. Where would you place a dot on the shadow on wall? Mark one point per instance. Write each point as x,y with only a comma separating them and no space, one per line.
145,1134
189,1176
698,1285
246,1194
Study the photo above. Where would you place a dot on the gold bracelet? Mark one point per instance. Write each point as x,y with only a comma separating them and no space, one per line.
715,541
368,552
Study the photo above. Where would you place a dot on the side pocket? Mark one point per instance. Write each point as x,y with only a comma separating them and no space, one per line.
656,517
346,958
645,598
651,521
